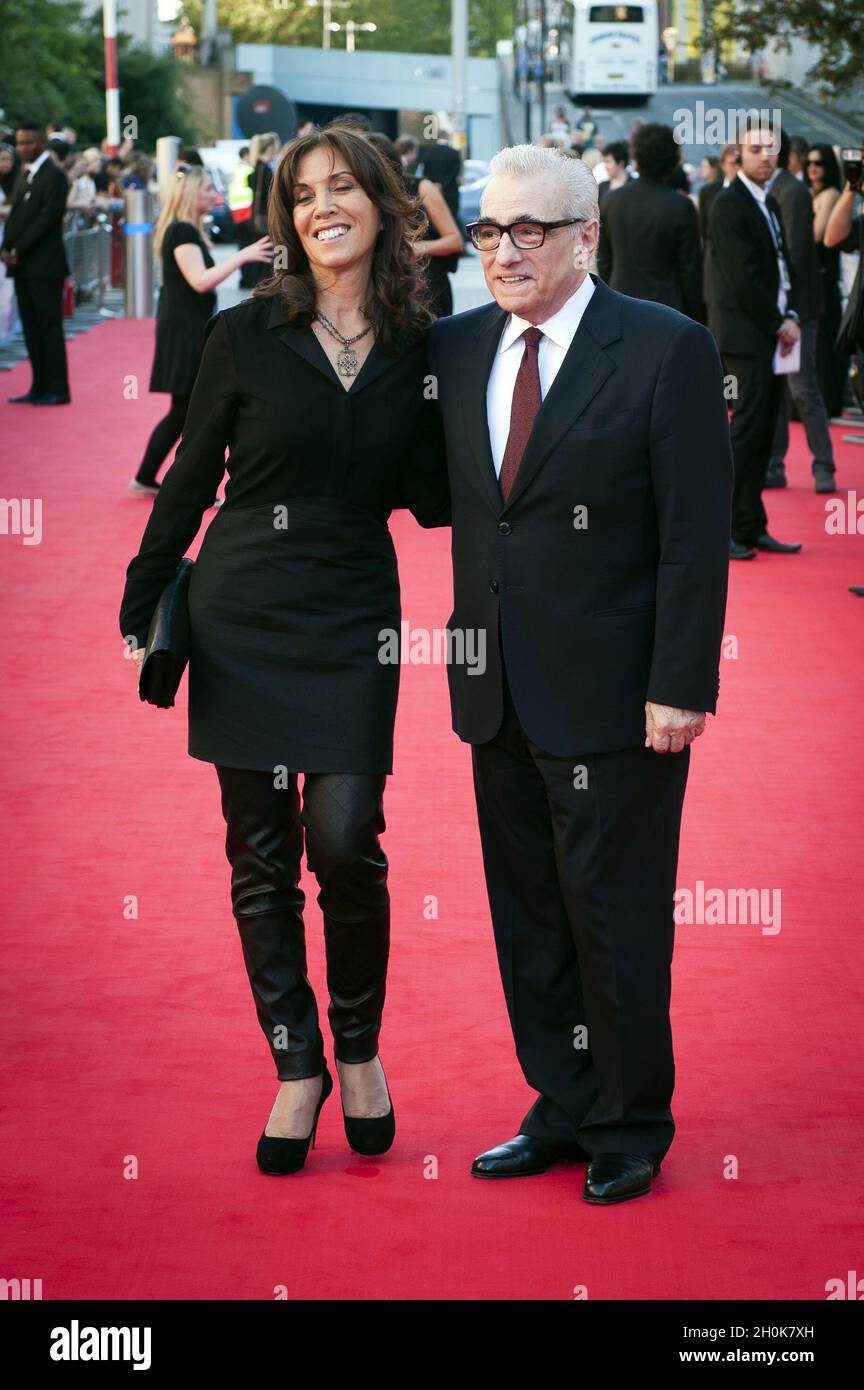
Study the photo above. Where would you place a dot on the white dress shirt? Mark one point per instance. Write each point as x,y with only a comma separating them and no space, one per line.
760,194
37,163
558,333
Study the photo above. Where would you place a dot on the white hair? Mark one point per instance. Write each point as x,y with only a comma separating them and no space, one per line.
578,185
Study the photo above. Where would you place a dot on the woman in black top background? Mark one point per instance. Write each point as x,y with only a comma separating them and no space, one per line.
822,172
261,155
442,239
186,301
318,387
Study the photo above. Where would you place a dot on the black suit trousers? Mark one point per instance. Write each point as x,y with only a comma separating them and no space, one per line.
754,418
40,304
340,820
581,882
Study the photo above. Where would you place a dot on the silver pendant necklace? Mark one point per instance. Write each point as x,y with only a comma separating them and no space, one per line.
347,360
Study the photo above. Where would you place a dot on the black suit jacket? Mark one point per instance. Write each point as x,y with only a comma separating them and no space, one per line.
34,227
707,193
649,246
597,618
745,278
796,211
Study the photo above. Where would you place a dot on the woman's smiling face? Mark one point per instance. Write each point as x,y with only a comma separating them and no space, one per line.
334,217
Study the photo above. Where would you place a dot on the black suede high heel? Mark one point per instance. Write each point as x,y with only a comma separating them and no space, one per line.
280,1156
372,1135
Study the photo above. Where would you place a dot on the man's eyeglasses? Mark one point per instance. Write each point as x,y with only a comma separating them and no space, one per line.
527,236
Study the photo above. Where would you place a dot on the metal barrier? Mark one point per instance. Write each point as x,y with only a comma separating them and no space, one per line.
88,251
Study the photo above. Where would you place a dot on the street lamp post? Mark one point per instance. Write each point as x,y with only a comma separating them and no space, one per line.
326,7
351,28
459,61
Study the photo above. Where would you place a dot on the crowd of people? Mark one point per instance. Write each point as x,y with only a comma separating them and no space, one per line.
750,246
96,185
752,249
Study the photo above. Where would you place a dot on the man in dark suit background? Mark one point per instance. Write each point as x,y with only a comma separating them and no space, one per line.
795,201
649,234
730,162
753,308
616,157
35,257
590,475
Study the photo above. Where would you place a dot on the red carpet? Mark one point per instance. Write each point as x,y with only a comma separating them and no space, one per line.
130,1042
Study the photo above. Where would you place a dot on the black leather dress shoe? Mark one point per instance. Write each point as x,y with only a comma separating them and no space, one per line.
737,551
26,399
823,478
776,477
766,542
51,399
857,589
618,1177
522,1157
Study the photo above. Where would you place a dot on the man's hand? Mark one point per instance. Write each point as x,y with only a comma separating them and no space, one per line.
789,332
9,258
668,730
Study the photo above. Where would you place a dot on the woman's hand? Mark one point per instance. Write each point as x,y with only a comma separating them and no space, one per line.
260,250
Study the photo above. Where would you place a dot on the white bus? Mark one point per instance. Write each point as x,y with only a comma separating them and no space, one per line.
614,50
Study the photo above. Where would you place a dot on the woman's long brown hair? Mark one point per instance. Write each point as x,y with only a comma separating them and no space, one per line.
398,299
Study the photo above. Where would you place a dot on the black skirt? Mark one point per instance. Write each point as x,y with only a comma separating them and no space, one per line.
179,345
287,610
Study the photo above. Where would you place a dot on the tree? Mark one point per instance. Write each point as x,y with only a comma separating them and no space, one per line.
834,29
402,27
51,57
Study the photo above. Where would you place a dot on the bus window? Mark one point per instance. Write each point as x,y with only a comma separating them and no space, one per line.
615,14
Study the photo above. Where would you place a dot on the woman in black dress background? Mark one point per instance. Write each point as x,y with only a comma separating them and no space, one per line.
261,156
295,581
442,239
186,301
822,172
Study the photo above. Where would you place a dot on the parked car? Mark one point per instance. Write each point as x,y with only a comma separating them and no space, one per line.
469,199
474,169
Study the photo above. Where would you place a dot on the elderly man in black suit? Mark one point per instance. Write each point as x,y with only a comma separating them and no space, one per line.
796,209
753,314
590,473
649,233
35,257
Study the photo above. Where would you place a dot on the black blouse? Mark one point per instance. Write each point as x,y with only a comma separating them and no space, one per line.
268,393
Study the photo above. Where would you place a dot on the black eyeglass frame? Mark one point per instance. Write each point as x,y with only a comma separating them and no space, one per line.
471,227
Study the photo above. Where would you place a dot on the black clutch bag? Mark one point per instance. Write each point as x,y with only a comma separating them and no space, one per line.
167,649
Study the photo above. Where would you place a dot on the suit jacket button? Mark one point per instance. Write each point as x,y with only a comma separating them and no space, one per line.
504,528
493,585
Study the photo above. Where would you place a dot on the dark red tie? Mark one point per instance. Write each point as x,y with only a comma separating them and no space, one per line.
526,402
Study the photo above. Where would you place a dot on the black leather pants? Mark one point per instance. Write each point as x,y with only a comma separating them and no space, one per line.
341,818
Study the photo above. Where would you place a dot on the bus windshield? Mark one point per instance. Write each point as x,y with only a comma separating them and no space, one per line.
615,14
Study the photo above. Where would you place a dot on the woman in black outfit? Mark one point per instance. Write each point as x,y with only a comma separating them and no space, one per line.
442,239
261,155
822,172
186,301
294,584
